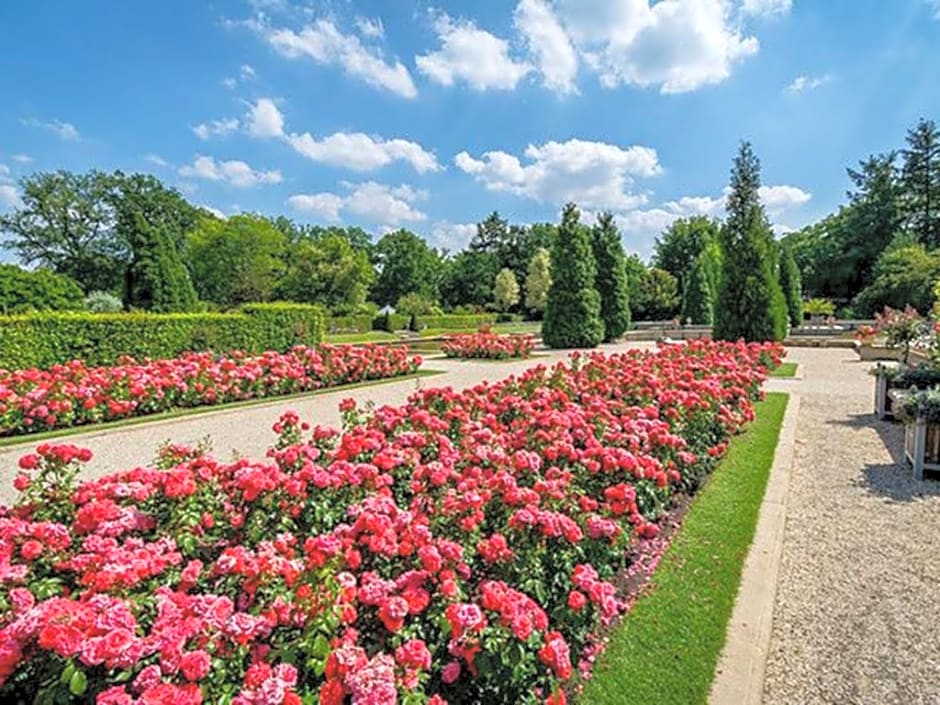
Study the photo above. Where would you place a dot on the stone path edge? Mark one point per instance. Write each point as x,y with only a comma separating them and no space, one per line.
739,677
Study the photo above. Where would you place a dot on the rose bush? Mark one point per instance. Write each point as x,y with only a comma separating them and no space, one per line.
487,345
461,548
74,394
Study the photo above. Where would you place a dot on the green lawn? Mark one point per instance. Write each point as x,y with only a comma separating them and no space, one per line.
785,369
372,336
667,647
178,413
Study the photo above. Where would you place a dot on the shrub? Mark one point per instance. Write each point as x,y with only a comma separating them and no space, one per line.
76,394
350,324
457,321
23,291
819,307
488,346
791,285
697,305
573,311
505,290
103,302
46,339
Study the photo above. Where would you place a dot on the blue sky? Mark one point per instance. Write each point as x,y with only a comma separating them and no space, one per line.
428,115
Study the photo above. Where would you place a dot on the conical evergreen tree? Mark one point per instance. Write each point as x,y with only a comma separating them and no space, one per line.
611,280
697,304
572,315
750,303
920,178
791,286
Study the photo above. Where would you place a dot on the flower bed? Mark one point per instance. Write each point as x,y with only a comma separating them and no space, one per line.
488,346
458,549
74,394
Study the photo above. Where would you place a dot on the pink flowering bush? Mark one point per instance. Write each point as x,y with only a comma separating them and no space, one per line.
461,548
74,394
487,345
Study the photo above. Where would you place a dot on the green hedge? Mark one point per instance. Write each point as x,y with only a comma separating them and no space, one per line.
390,322
45,339
349,324
457,321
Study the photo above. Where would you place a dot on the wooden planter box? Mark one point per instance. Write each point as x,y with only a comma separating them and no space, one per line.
884,402
922,446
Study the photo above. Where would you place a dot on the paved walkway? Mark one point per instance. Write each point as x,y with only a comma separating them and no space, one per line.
857,613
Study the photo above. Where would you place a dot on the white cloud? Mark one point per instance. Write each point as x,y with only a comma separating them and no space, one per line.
934,6
215,211
361,152
64,130
246,72
353,150
376,203
807,83
675,45
230,82
325,44
265,119
9,196
237,173
592,174
216,128
22,159
555,56
4,173
472,55
777,199
766,8
156,160
781,229
370,27
452,236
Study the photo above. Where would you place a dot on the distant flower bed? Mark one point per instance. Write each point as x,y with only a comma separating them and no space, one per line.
462,548
488,346
74,394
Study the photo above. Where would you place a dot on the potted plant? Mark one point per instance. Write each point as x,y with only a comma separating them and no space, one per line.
890,377
899,330
920,411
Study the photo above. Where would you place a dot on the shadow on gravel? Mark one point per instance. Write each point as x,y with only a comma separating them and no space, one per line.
893,481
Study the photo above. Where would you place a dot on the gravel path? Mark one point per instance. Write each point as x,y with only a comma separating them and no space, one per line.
856,618
246,431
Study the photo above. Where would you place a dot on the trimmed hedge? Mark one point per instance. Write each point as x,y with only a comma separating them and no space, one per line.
350,324
457,321
46,339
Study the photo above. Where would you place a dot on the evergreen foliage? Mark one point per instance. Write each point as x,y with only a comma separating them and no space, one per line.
697,303
750,304
505,290
791,286
538,281
572,314
611,281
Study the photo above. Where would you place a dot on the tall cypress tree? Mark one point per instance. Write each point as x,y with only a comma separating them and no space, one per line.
572,315
697,304
611,281
791,285
751,305
920,179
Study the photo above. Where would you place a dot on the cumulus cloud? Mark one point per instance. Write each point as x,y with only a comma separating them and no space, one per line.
389,206
777,199
677,46
64,130
766,8
323,42
264,119
592,174
452,236
801,84
471,55
555,55
237,173
351,150
22,158
156,160
370,27
215,128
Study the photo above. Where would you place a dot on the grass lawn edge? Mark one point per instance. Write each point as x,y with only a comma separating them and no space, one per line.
667,647
785,370
28,439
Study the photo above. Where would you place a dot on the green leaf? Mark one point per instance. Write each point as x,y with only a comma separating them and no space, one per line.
78,683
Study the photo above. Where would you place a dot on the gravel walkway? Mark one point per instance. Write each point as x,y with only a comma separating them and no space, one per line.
246,431
856,619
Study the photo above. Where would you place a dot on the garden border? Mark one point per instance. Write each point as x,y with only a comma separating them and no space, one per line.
739,677
28,440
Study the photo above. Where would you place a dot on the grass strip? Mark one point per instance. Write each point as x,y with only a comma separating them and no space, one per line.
785,369
30,438
666,649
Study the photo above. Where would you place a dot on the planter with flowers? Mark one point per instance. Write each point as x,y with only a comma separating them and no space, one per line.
893,336
890,379
920,411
